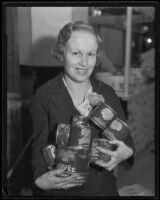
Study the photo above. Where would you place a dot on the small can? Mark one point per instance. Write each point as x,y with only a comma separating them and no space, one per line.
73,160
80,132
119,129
97,155
49,155
102,115
62,134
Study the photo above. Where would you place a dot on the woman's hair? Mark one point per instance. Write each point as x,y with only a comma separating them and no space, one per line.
66,32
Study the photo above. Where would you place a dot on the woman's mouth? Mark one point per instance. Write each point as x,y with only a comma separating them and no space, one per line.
82,70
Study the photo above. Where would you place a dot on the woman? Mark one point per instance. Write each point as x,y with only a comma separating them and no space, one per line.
60,99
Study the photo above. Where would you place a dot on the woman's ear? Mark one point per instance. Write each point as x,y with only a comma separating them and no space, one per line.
98,58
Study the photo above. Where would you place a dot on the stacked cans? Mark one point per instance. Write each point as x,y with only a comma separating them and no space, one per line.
76,148
107,119
112,127
73,142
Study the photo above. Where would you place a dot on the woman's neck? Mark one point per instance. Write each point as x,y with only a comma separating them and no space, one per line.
77,90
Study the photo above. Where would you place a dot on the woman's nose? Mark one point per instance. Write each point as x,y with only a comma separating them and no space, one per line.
84,60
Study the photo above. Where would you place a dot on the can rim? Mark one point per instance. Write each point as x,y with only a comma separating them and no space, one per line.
49,146
73,147
100,139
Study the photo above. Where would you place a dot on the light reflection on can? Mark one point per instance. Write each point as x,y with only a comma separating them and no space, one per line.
62,134
102,115
49,155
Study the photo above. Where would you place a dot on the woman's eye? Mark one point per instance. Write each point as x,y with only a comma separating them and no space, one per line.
91,54
75,53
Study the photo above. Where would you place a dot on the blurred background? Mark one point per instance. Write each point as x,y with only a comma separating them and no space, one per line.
127,63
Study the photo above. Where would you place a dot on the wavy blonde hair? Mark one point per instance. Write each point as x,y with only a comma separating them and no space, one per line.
65,34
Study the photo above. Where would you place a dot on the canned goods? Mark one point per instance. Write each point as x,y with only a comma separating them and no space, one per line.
73,160
97,155
119,129
49,155
80,132
102,115
62,134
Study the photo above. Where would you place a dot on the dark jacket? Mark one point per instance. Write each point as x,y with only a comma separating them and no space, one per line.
52,104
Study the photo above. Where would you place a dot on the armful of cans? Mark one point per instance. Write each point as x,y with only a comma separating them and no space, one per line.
75,148
72,150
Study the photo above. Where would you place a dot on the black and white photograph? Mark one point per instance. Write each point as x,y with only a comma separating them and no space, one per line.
80,99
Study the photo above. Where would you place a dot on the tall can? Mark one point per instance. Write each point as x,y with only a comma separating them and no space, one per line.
102,115
80,132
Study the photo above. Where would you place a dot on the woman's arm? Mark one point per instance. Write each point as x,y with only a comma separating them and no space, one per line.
40,133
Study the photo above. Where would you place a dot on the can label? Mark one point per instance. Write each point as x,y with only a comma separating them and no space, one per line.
119,129
80,136
102,115
73,160
97,155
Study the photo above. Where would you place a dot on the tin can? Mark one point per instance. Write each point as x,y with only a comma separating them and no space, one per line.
102,115
97,155
49,155
73,160
62,134
119,129
80,132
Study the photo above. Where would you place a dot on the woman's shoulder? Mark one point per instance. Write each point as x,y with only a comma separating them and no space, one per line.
50,85
101,86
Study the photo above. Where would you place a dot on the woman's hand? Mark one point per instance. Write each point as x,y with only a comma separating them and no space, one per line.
122,152
50,180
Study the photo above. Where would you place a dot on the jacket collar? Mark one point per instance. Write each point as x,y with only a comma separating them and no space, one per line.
60,97
57,85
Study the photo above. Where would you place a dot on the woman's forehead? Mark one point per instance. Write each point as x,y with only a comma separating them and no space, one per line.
83,38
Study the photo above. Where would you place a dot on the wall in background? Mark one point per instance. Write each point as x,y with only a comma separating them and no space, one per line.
113,44
25,35
38,28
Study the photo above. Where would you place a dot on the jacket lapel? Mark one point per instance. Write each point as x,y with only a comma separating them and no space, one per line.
59,96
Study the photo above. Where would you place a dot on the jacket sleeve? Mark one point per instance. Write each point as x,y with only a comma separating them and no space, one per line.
113,100
40,134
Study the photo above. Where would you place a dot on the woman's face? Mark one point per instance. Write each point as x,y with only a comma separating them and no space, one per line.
80,54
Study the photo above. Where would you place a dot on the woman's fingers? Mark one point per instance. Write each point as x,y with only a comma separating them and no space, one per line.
70,181
106,151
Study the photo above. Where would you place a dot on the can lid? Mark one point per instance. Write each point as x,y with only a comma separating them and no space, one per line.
101,139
